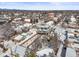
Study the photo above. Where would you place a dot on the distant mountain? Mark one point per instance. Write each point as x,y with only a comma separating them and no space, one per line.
8,9
34,10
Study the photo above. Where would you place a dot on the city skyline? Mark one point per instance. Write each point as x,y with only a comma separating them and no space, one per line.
40,5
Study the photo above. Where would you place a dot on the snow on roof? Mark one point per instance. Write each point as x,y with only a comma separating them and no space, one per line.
62,37
30,34
71,30
9,44
76,45
70,34
24,34
72,40
19,37
73,19
50,23
8,53
20,50
59,30
27,24
43,25
44,51
1,51
70,52
27,20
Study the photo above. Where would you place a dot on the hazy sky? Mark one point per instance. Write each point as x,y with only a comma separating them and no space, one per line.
40,5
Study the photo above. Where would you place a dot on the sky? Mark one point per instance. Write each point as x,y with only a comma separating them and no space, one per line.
40,5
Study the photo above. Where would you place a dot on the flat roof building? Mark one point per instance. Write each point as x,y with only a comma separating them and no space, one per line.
43,28
70,52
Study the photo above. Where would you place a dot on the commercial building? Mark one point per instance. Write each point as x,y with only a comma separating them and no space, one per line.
43,28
